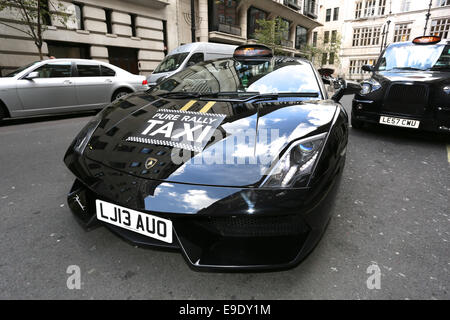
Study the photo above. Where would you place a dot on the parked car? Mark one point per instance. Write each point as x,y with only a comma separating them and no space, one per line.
64,85
234,162
188,55
409,87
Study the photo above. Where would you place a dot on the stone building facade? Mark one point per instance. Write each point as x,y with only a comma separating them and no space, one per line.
366,26
136,34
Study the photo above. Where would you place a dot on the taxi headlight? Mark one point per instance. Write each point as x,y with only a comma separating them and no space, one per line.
296,163
369,86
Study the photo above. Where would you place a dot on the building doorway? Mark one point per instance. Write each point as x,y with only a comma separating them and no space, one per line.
125,58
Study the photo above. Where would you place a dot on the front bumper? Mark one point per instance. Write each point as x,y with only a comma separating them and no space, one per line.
437,120
232,228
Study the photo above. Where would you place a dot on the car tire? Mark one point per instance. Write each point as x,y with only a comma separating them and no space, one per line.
120,93
3,111
357,124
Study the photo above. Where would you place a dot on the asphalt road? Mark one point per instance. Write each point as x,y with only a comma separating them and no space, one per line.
392,210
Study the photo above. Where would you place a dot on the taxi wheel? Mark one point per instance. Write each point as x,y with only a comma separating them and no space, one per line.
357,124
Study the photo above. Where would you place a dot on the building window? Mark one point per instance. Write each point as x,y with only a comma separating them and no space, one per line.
328,16
441,28
301,37
331,58
336,14
367,36
224,17
314,39
356,66
381,7
108,21
286,25
79,19
402,32
326,37
133,24
358,10
310,8
46,19
324,58
369,8
442,3
406,5
333,36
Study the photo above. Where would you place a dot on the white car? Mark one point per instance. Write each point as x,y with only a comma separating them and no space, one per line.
64,85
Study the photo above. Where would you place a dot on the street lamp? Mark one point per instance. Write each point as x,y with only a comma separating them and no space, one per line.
428,15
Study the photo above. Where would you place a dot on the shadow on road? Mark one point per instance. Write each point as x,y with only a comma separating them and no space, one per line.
401,135
36,119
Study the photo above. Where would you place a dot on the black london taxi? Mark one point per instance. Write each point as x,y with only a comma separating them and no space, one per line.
409,87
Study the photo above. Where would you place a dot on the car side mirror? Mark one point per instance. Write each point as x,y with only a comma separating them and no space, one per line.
32,75
367,68
347,88
326,75
190,64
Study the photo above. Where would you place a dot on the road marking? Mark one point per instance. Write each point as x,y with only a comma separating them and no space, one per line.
208,106
188,105
448,153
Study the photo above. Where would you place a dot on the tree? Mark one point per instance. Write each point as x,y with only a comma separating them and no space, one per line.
315,53
271,33
31,17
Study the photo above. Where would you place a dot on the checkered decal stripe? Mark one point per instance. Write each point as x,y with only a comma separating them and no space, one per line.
165,143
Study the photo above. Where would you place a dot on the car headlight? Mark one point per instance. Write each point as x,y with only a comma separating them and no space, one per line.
85,135
369,86
296,163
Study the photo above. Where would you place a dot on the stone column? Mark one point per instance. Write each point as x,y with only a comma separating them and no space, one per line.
243,19
203,29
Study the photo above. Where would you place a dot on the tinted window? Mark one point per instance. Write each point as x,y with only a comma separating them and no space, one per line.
107,72
55,70
171,63
196,58
88,70
277,75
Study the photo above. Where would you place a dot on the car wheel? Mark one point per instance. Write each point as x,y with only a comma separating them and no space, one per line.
3,112
357,124
119,94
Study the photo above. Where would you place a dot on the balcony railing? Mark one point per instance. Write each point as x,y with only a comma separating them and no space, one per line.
230,29
287,43
294,4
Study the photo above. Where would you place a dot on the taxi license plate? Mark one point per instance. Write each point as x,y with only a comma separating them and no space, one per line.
399,122
143,223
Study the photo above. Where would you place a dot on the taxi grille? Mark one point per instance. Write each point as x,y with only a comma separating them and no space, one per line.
406,99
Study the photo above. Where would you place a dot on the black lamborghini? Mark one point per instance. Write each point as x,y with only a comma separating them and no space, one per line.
235,162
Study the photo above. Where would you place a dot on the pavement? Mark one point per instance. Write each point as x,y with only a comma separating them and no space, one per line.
392,213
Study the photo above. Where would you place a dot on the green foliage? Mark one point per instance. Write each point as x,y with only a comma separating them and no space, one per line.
31,17
315,53
271,33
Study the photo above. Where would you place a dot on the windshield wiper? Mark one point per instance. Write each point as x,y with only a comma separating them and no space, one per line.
407,68
249,96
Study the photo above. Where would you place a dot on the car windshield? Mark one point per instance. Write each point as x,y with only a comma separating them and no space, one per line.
19,70
415,57
278,75
171,63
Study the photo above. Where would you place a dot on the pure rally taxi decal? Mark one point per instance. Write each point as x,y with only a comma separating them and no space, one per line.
180,128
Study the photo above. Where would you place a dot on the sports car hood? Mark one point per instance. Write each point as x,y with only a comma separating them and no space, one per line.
235,142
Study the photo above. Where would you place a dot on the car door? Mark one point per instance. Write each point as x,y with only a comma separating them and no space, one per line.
92,88
53,88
